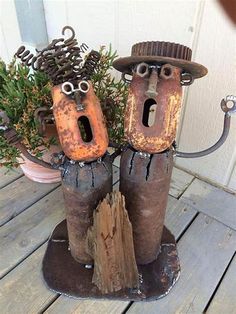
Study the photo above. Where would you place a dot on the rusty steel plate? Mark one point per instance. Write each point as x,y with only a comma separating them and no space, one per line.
64,275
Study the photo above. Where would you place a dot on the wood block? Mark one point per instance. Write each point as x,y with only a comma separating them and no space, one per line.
110,242
19,195
204,251
212,201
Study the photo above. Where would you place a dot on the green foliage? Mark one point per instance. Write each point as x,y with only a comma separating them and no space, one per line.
112,94
21,93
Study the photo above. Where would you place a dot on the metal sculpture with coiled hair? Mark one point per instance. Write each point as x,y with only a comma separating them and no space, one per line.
62,59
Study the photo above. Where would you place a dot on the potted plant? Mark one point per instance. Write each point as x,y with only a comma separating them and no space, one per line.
24,93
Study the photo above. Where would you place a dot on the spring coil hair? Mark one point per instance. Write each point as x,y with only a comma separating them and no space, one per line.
62,59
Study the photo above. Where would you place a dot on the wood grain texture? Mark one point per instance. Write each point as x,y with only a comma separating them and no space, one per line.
224,300
19,195
212,201
23,289
180,180
110,243
26,232
7,177
67,305
204,251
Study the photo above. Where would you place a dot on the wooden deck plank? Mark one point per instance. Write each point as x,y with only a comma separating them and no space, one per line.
205,251
67,305
20,194
23,290
224,300
26,232
212,201
7,177
180,180
177,218
115,173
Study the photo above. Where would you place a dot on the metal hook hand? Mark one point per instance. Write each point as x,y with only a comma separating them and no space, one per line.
14,140
228,112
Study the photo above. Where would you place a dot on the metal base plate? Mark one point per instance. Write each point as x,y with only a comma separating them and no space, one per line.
64,275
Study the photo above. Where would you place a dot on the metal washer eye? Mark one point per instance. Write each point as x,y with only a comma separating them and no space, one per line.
142,69
186,79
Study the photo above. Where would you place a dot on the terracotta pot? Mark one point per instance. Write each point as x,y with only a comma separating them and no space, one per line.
39,173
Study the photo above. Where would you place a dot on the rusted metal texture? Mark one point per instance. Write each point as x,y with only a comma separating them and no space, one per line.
62,59
160,52
145,181
86,145
64,275
83,187
166,97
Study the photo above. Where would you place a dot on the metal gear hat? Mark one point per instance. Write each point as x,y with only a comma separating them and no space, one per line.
161,52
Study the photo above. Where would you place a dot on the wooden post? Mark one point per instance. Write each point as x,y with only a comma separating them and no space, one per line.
110,242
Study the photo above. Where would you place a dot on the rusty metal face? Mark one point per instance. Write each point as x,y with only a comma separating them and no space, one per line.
145,182
83,188
81,126
153,107
64,275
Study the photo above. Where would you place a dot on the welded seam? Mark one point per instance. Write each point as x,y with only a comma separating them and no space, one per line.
131,163
92,175
148,167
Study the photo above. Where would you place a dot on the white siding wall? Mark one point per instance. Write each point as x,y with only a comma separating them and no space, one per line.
200,25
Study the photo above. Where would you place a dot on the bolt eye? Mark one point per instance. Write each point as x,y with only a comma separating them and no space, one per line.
142,69
166,71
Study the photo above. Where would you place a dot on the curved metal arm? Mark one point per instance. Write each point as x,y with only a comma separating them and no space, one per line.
13,139
228,112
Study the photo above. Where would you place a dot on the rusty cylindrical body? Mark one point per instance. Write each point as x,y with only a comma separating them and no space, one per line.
145,182
83,188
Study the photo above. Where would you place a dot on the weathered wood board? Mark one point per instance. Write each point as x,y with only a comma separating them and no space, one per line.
212,201
204,251
23,290
7,177
22,235
20,194
67,305
180,180
116,174
224,300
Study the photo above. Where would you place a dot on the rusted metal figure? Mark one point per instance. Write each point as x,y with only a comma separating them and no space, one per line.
159,70
80,123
